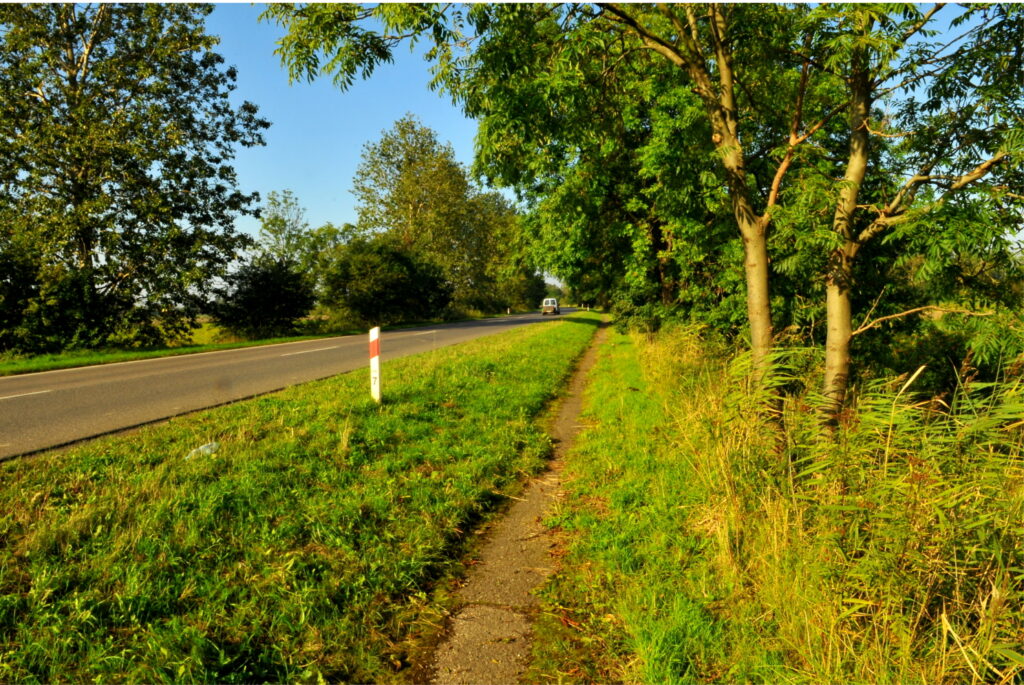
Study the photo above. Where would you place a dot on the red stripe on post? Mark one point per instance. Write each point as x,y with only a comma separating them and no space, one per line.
375,348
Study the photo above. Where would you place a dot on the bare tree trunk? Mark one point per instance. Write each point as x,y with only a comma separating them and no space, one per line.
839,279
839,329
759,311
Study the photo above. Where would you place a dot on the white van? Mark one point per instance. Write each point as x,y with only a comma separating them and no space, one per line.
550,306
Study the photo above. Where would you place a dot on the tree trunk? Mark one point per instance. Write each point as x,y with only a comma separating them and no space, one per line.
837,342
759,311
659,246
753,230
839,279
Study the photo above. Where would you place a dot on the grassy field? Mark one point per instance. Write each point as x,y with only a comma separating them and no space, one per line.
303,547
705,545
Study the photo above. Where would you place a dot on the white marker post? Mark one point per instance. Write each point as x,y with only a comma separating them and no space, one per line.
375,364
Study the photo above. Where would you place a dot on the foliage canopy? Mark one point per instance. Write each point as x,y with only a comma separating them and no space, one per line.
379,283
815,170
117,194
264,298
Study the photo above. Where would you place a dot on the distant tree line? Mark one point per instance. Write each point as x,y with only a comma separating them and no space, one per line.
427,244
118,200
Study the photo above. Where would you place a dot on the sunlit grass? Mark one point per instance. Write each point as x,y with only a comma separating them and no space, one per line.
305,545
706,544
618,611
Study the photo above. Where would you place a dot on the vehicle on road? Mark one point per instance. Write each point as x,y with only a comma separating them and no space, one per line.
550,306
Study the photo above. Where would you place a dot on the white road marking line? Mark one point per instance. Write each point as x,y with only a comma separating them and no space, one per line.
422,333
319,349
26,394
180,356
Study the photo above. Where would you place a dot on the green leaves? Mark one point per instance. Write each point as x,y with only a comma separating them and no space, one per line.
380,283
410,187
346,40
264,297
115,150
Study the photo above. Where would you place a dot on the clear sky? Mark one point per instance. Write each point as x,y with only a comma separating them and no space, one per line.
318,131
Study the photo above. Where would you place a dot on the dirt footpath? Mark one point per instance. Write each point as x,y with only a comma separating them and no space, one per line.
489,637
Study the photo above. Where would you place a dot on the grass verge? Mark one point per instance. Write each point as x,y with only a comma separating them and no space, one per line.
706,545
302,548
615,612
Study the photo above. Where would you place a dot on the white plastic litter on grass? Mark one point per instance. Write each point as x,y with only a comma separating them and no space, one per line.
203,450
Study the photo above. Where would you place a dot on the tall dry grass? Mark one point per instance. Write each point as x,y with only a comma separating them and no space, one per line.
886,550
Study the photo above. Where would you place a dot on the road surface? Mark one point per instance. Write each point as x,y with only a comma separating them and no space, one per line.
53,408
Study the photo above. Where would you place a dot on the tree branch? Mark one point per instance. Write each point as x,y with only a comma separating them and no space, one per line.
883,134
654,42
89,43
672,17
824,120
909,33
40,94
694,40
874,305
795,140
936,57
976,173
893,212
916,310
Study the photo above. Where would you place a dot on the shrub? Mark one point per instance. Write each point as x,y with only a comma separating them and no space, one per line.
264,298
380,284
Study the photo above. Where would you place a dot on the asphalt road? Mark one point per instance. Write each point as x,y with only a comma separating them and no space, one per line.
53,408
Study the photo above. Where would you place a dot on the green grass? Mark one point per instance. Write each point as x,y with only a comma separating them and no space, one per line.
707,545
305,547
618,611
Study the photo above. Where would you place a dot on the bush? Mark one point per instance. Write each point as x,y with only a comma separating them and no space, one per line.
379,283
264,298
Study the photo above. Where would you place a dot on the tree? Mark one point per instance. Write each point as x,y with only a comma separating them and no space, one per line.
409,185
264,298
503,272
960,138
379,282
845,140
283,227
843,60
115,167
285,234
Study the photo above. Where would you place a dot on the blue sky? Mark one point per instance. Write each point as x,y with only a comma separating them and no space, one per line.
318,131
